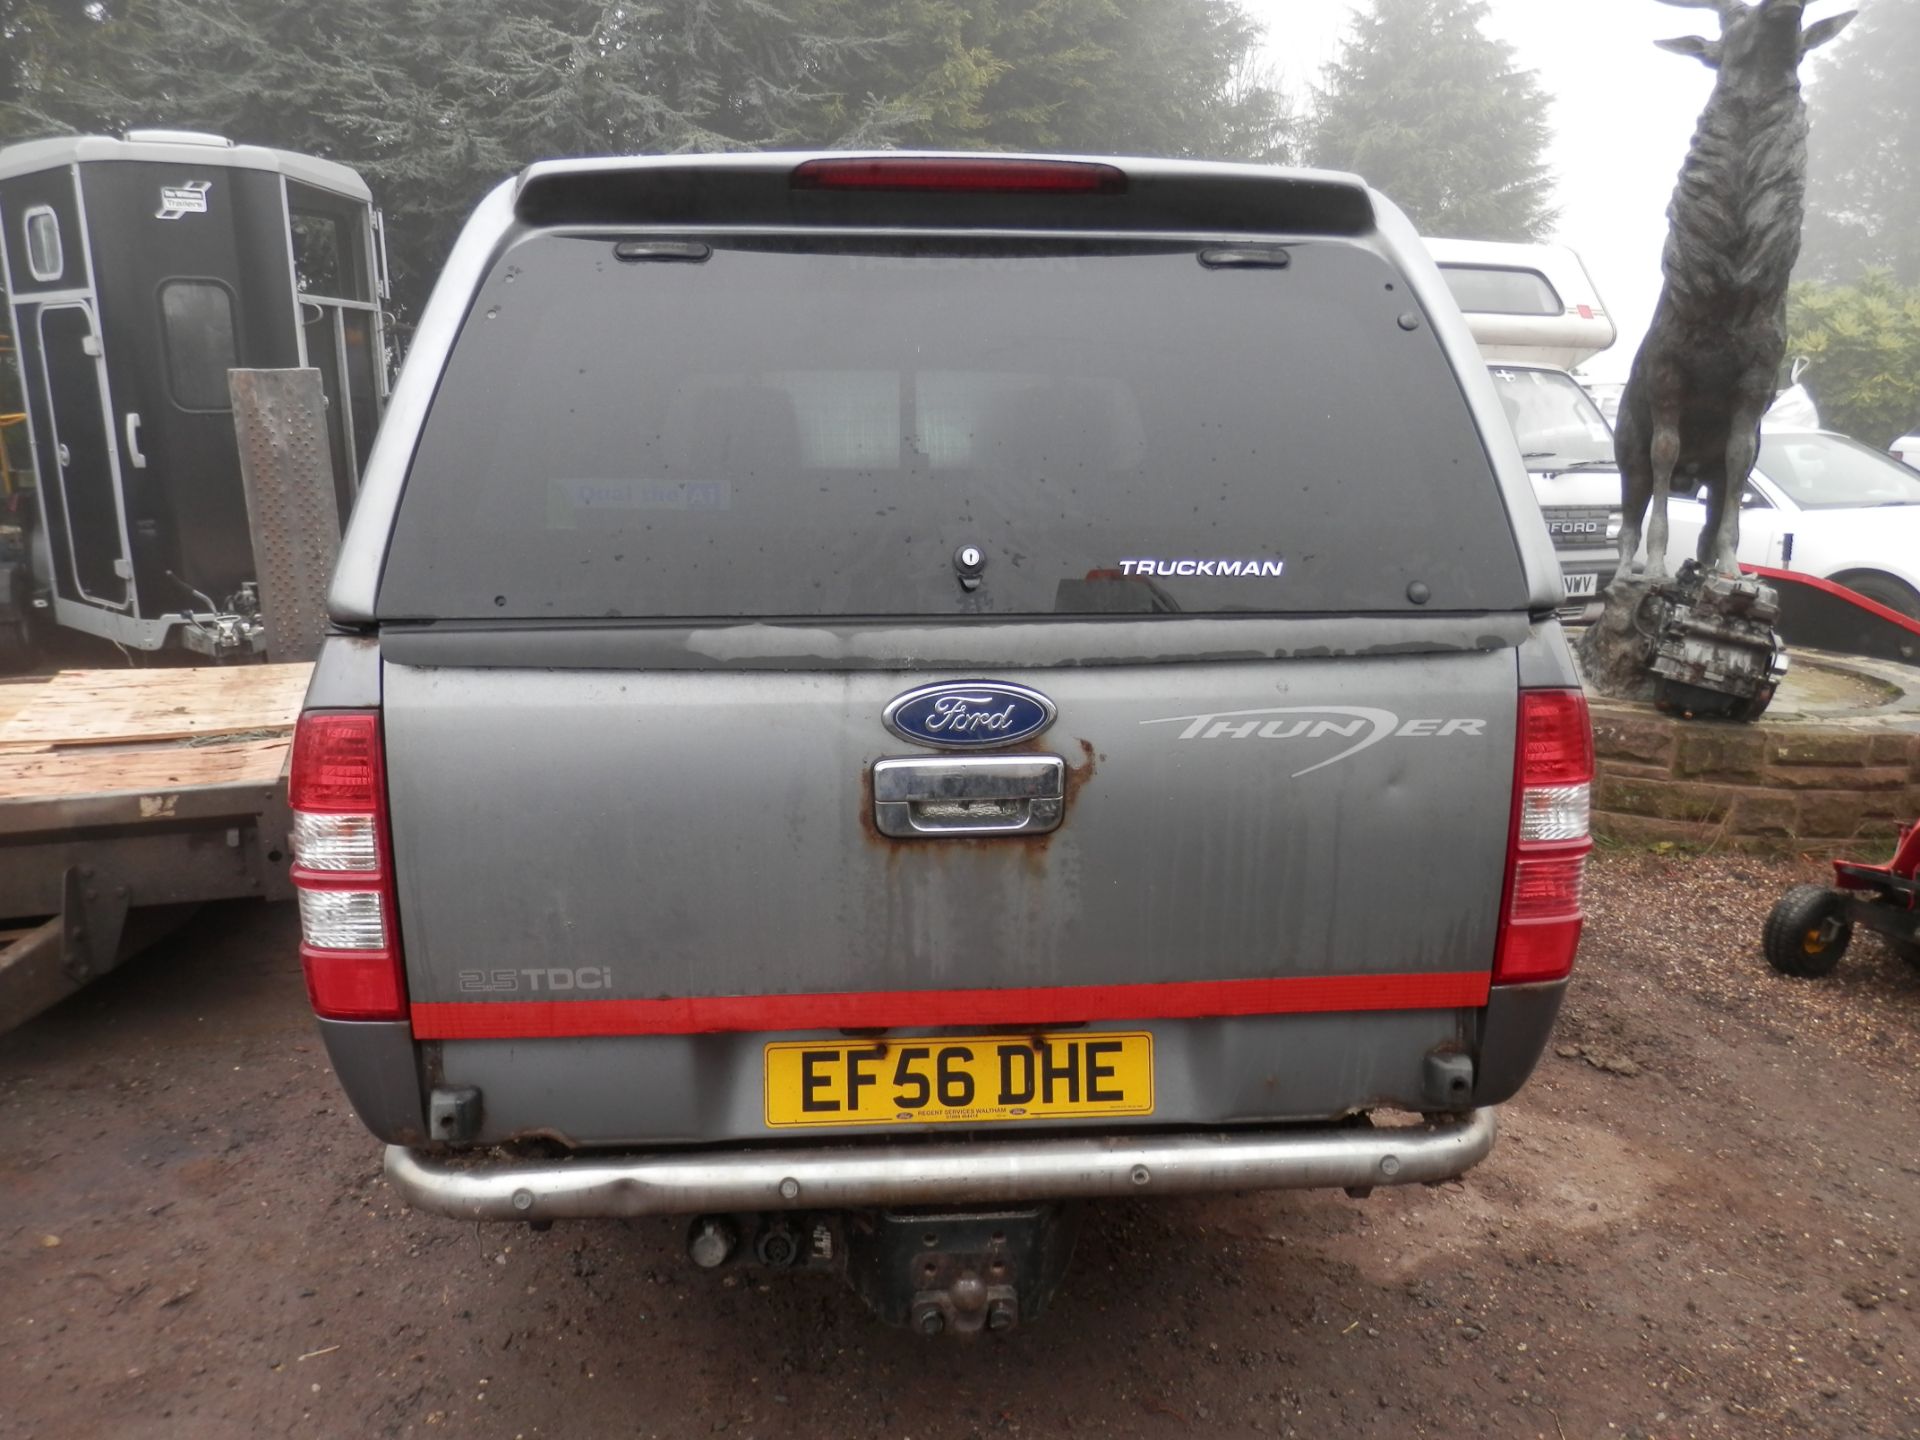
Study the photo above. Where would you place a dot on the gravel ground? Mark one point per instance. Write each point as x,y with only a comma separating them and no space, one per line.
1700,1221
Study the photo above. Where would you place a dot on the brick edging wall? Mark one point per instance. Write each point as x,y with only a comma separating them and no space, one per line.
1766,786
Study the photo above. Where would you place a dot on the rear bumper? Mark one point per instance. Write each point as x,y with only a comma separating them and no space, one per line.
941,1173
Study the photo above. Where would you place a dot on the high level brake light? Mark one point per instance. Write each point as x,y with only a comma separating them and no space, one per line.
343,868
1540,913
948,176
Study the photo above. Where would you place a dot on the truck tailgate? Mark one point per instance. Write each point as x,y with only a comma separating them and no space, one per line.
645,852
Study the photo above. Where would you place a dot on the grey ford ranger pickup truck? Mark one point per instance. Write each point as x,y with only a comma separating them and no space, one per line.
874,697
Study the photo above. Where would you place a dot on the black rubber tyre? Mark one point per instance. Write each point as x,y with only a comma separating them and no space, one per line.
1907,950
16,644
1805,934
17,648
1885,590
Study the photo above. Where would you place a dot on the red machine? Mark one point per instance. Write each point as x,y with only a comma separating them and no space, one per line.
1821,615
1809,928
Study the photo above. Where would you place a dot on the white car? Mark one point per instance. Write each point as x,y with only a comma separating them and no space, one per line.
1817,503
1826,506
1566,443
1906,450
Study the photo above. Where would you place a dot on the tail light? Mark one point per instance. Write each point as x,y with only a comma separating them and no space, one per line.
1540,912
946,175
343,868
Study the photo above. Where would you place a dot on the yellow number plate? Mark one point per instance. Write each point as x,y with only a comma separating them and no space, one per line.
958,1080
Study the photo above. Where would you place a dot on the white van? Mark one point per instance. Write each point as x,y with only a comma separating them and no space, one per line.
1536,315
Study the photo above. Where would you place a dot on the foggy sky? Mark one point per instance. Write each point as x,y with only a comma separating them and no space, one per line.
1622,115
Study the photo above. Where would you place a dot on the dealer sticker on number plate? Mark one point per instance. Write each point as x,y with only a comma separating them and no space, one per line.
958,1079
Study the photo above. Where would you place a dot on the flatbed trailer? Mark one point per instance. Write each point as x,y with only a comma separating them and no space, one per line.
127,797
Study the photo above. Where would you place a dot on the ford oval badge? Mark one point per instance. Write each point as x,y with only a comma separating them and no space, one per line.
969,714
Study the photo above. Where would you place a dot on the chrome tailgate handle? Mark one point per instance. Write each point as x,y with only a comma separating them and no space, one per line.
969,795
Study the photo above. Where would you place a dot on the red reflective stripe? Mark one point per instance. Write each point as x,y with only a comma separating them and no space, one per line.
887,1009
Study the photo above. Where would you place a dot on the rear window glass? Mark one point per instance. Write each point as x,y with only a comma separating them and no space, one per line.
197,325
1491,290
326,258
44,258
780,431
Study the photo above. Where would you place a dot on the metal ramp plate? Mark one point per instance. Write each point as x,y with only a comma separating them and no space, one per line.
287,465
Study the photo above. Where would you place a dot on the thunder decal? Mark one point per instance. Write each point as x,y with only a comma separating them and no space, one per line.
1363,725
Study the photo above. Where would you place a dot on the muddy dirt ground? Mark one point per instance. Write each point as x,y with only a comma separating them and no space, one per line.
1702,1219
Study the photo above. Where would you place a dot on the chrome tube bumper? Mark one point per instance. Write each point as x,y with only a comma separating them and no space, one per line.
938,1173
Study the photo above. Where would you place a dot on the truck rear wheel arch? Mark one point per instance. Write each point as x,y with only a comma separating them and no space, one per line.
1514,1031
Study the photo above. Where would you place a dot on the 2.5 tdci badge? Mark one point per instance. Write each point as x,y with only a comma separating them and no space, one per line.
969,714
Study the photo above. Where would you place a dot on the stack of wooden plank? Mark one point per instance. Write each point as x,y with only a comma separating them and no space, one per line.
97,732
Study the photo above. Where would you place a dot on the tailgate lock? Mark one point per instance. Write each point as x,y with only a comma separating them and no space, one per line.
969,795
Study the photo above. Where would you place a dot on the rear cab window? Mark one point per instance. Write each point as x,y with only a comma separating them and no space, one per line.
815,426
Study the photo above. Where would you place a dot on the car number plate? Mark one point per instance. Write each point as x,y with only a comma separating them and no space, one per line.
966,1079
1581,585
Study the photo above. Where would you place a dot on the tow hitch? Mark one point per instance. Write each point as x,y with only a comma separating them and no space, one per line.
937,1273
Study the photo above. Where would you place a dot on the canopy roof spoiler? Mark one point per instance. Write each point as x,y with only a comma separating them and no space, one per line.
756,189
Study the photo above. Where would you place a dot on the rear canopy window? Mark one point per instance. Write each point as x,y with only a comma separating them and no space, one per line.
786,430
1493,290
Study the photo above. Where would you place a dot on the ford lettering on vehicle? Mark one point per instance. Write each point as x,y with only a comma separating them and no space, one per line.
968,715
1364,725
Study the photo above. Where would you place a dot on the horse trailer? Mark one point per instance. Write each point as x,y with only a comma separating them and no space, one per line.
139,272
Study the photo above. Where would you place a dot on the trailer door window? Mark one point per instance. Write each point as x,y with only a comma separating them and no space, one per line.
196,317
328,258
44,259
